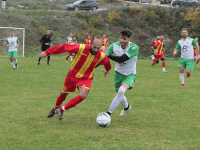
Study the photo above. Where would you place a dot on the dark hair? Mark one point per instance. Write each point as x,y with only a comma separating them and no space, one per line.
11,30
48,29
126,33
184,29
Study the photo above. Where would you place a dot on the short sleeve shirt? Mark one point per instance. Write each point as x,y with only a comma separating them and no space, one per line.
70,38
129,66
13,42
186,48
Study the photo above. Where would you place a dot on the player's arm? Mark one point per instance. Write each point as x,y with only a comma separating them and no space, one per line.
7,43
194,43
106,63
71,48
178,47
85,42
17,43
67,40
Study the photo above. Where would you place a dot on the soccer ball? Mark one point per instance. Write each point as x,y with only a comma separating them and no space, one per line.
103,119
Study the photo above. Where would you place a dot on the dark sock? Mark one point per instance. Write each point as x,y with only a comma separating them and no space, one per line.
108,113
127,107
39,59
48,58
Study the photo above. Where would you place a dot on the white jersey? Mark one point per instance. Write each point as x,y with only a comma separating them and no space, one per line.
186,48
13,42
129,66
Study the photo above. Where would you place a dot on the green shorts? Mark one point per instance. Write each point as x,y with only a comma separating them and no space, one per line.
187,63
119,79
12,54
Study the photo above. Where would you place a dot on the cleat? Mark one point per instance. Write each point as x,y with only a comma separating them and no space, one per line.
182,85
123,112
38,63
164,71
48,64
51,113
14,68
59,113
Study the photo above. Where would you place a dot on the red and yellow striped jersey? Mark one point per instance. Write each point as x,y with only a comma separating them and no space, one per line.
88,41
105,42
71,41
159,46
84,62
195,51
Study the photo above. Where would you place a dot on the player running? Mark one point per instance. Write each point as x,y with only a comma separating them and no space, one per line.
124,53
88,40
187,54
81,73
105,41
196,40
71,54
158,52
12,43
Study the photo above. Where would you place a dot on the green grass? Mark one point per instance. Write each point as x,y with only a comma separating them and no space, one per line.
163,115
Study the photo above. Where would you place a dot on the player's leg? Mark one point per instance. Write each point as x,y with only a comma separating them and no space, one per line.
189,67
182,65
163,64
15,53
71,57
68,54
48,59
10,56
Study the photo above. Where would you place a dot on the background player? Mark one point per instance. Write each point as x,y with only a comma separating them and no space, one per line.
88,40
12,43
196,40
46,41
70,54
158,52
105,41
187,54
69,38
81,73
124,53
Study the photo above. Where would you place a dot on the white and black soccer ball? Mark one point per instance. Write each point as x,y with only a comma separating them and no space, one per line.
103,119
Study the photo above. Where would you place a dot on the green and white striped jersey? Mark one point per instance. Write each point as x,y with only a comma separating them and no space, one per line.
13,42
186,48
129,66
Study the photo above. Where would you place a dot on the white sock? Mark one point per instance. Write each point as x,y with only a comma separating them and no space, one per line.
182,78
15,61
163,69
117,99
12,64
124,102
63,107
71,58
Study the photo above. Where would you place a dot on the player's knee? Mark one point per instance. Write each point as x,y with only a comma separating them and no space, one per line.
64,94
84,95
121,91
163,59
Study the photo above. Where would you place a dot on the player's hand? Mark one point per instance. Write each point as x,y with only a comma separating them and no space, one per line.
42,55
16,46
9,45
103,49
105,73
46,43
196,58
175,52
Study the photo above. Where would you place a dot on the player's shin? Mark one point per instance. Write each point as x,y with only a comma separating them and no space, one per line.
59,101
182,78
163,66
72,103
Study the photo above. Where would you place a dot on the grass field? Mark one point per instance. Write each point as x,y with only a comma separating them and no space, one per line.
163,115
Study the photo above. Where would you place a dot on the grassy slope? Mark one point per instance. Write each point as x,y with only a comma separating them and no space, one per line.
163,116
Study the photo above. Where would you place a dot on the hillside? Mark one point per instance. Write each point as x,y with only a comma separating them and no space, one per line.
146,23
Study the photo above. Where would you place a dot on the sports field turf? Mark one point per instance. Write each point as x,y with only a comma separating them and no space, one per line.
163,115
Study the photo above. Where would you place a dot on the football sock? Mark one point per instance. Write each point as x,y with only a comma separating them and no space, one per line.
188,75
127,107
59,101
71,58
124,102
117,99
108,112
197,62
163,65
67,57
12,64
72,103
48,58
39,59
182,78
15,61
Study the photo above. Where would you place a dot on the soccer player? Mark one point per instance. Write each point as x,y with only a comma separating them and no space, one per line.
81,73
12,43
196,40
158,52
70,54
105,41
124,53
69,38
46,41
187,54
88,40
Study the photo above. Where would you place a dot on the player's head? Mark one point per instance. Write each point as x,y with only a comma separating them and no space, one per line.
95,45
88,36
104,35
184,33
71,34
48,31
196,39
125,37
162,37
12,33
73,38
